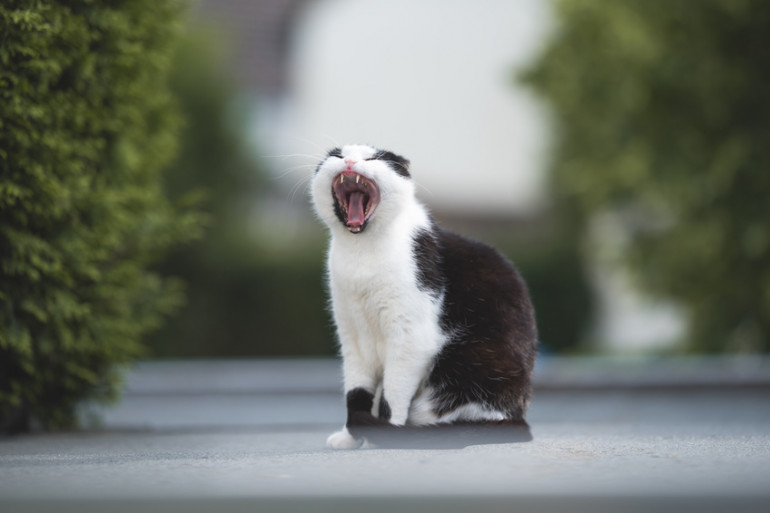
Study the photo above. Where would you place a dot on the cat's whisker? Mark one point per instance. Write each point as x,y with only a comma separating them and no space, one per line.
321,150
308,156
302,183
424,188
293,169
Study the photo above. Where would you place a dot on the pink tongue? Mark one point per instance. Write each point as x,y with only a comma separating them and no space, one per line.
356,209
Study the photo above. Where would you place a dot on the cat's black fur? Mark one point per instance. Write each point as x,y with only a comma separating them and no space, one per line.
489,358
491,353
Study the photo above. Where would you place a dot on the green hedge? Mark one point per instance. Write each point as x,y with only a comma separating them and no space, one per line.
86,126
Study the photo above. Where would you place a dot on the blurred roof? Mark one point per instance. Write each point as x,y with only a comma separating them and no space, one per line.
259,32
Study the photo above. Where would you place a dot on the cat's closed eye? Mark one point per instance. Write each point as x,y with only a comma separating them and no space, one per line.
400,164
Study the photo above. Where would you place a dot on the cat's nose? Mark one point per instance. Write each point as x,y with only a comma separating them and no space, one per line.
350,162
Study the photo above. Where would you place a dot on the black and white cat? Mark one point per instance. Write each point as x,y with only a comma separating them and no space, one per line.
433,328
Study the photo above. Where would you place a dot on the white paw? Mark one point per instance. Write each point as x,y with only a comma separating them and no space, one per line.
343,440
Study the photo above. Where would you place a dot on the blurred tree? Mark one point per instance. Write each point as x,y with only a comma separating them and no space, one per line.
86,126
245,298
553,267
663,108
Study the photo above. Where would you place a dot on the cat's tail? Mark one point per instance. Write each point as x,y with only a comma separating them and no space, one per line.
381,434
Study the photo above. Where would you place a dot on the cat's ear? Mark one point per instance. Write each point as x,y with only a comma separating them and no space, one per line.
399,164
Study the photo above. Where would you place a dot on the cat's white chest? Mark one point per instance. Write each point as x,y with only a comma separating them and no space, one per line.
378,304
372,285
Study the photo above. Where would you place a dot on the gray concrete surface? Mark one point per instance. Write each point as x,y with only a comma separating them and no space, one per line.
671,435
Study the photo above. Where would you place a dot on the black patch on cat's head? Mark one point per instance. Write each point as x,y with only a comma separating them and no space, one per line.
399,164
334,152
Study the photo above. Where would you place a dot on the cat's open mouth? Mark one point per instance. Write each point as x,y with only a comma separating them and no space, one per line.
357,197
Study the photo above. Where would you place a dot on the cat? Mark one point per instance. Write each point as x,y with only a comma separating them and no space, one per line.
434,329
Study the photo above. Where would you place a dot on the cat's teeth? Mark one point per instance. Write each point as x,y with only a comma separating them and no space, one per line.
358,177
342,178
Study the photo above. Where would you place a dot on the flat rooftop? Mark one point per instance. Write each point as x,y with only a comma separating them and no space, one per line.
249,435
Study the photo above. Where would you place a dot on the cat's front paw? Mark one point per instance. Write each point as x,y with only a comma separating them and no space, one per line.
343,440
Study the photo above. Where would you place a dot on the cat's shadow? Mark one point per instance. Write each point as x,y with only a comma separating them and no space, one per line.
443,436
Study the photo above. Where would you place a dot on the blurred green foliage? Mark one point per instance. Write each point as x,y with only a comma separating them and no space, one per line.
86,126
246,296
663,109
552,266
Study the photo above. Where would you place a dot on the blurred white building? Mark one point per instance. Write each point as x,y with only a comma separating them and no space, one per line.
434,81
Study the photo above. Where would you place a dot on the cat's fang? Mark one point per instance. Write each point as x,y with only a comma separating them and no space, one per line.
358,177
